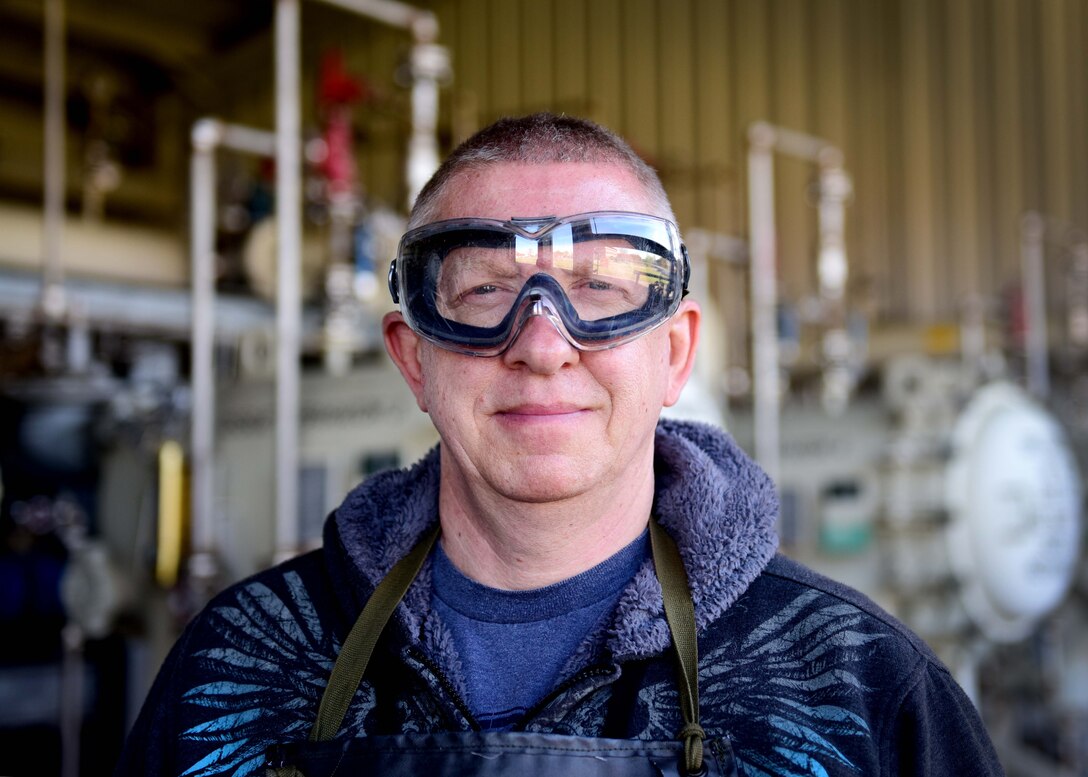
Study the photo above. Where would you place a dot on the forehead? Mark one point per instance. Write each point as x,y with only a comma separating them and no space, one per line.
507,190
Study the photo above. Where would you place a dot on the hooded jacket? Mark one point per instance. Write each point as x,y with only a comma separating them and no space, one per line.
800,675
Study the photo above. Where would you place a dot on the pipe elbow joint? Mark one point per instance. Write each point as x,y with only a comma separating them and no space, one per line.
207,134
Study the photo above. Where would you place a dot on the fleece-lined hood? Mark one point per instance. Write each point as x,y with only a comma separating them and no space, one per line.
715,502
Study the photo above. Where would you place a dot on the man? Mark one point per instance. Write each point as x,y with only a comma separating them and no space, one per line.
543,325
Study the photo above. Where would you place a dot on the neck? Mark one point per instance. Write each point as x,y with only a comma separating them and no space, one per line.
515,545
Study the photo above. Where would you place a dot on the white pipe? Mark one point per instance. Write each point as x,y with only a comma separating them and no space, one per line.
1033,275
424,27
208,135
835,188
796,144
832,268
1077,317
288,291
73,667
422,24
52,295
430,63
202,184
764,293
246,139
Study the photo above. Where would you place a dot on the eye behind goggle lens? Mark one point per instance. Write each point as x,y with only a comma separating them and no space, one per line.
607,277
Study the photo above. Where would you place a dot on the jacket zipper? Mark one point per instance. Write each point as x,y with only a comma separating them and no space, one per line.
447,686
588,673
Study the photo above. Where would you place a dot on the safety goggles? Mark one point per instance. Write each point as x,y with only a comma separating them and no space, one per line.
601,279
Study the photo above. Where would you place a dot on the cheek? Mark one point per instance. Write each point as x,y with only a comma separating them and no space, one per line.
656,388
435,389
451,388
638,381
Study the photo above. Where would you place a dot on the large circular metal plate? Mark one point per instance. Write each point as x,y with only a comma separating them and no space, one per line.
1014,497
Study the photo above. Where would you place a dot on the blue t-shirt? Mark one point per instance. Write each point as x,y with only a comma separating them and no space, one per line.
513,645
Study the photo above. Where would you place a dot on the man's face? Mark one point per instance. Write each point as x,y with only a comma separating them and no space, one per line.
544,421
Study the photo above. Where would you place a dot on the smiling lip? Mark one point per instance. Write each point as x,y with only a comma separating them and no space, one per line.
531,411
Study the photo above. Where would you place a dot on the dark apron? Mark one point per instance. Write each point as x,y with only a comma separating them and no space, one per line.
502,754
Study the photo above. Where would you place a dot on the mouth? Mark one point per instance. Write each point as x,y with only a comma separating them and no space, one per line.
530,412
541,409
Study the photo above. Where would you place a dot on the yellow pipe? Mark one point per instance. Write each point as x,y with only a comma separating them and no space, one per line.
173,513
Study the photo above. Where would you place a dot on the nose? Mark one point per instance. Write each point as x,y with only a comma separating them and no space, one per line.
540,347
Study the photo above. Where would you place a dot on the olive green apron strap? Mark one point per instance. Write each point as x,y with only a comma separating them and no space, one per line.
354,656
680,614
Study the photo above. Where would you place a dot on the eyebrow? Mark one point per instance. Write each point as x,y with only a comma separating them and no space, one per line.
475,260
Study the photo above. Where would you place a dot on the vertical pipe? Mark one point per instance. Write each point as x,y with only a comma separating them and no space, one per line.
205,138
429,64
832,266
1032,255
1077,294
764,294
72,698
171,500
208,135
52,299
833,270
288,297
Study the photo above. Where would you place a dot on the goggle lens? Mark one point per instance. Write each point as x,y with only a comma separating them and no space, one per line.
612,277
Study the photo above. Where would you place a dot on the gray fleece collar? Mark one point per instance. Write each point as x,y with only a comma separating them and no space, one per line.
717,504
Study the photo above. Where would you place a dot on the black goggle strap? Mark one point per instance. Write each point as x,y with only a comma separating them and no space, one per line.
686,270
391,281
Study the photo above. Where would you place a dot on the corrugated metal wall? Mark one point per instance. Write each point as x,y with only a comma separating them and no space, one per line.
955,116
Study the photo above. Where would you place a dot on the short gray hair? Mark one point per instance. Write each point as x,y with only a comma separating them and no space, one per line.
540,138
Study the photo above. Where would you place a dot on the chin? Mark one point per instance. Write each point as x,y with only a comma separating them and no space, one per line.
539,482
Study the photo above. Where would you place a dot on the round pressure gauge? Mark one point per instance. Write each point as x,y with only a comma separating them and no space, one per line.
1014,498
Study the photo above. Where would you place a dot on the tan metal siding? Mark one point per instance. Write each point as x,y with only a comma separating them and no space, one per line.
606,42
715,171
954,117
1007,123
790,47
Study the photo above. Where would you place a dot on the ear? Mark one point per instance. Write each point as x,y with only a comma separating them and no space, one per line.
403,346
683,333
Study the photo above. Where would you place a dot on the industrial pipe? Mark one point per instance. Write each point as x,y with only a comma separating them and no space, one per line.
422,24
53,302
72,669
835,190
833,270
1077,285
1034,229
429,65
208,135
764,140
1033,278
764,292
288,285
202,184
423,160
